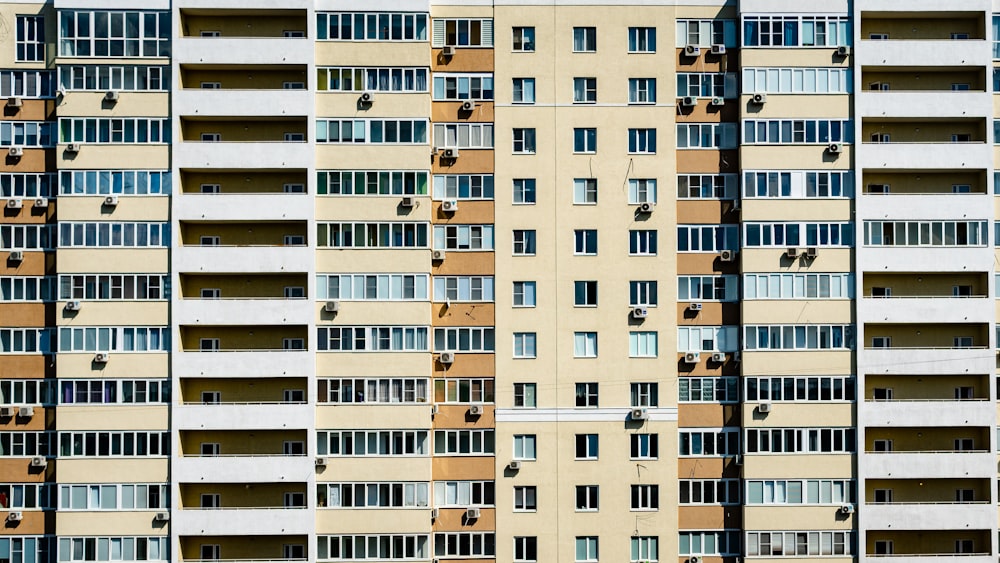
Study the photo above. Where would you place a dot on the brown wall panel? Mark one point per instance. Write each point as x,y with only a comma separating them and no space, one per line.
453,520
30,110
23,367
34,160
708,62
464,263
457,416
464,60
35,423
708,211
705,112
32,523
22,314
28,214
469,161
709,517
707,415
712,313
463,314
469,212
467,365
451,112
460,468
16,470
704,263
707,161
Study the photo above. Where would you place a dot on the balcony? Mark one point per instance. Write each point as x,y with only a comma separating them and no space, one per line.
927,361
942,309
242,521
242,155
925,259
933,558
923,156
894,103
241,469
928,465
949,7
233,102
924,53
276,206
925,206
242,416
240,311
242,259
243,50
929,516
243,363
929,413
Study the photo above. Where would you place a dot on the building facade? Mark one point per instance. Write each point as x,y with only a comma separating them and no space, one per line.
331,280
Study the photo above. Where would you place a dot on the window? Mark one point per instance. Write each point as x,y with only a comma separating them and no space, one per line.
965,546
524,447
399,547
800,544
337,443
109,392
798,337
371,182
524,242
707,238
95,497
585,242
705,33
584,344
642,294
802,388
642,40
524,344
707,186
796,131
964,444
644,395
800,491
27,83
709,491
765,235
459,87
588,498
524,91
372,287
642,90
706,136
524,294
525,548
108,234
707,288
585,293
29,43
642,243
585,140
32,391
369,495
926,233
525,499
584,39
35,134
711,542
463,237
29,185
709,443
463,390
641,191
799,440
586,548
114,339
642,141
373,390
113,131
524,39
463,493
882,445
584,90
883,547
89,548
585,191
525,395
586,446
644,549
798,286
372,131
965,495
645,497
463,186
110,444
798,184
295,137
27,289
524,191
466,339
708,390
463,442
524,141
796,31
372,235
464,135
462,32
373,339
643,344
644,446
586,395
376,26
209,345
101,33
883,496
772,80
707,85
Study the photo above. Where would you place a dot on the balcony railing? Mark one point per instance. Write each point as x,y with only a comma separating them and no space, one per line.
873,452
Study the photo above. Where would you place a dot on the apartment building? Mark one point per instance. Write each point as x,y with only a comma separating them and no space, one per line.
401,281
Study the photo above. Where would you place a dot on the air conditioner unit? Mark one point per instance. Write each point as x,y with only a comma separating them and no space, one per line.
759,98
451,153
727,256
26,412
41,202
847,509
472,513
694,559
438,255
111,200
692,358
812,252
640,312
7,412
39,461
468,105
514,465
447,358
694,306
718,49
367,97
448,51
639,414
435,513
14,102
15,152
102,357
835,148
162,517
14,204
73,147
792,253
320,462
719,357
718,101
692,50
689,101
332,306
73,305
409,202
16,255
843,51
15,516
449,206
646,207
476,410
111,96
764,408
